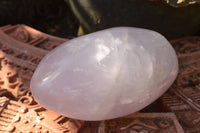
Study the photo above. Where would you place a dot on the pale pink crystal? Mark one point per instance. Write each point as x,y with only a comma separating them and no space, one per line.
107,74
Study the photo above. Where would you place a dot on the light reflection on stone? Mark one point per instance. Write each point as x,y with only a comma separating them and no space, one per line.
107,74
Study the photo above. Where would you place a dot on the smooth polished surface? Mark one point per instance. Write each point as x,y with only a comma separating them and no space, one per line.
107,74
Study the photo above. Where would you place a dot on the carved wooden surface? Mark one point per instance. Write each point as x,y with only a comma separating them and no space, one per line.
183,98
22,48
144,123
21,117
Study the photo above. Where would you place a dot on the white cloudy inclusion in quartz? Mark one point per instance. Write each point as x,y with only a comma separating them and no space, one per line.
106,74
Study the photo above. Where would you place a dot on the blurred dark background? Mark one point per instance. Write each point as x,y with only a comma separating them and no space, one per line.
49,16
69,18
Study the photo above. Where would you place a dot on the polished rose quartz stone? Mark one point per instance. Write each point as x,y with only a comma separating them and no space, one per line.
106,74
